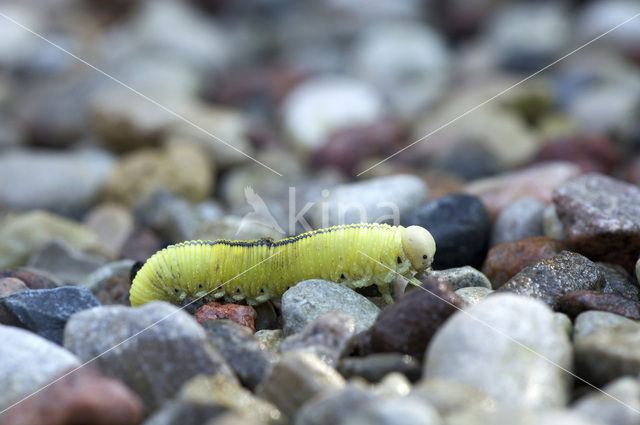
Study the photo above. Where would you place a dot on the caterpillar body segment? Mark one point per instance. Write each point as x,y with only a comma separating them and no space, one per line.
354,255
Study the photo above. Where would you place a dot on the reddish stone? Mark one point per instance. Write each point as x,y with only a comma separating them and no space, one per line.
82,397
31,279
538,182
507,259
594,153
11,285
242,314
574,303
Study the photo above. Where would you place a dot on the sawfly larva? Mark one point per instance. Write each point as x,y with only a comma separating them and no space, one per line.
354,255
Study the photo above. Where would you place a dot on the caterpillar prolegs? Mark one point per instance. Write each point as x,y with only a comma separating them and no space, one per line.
354,255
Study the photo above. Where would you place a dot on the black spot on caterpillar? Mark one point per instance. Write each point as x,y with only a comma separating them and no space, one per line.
355,255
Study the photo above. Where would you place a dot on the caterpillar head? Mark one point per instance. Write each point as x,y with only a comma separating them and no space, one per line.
419,247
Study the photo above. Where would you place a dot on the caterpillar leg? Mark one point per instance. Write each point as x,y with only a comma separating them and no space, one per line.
385,291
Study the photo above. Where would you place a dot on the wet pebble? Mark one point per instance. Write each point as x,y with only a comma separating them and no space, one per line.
248,357
473,295
601,218
408,325
64,262
507,259
242,314
521,219
460,226
46,311
157,361
574,303
473,353
28,363
327,337
83,395
462,277
311,299
374,367
550,279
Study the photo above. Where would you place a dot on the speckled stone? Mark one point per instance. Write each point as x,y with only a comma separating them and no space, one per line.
374,367
507,259
473,295
550,279
574,303
467,349
523,218
619,282
601,218
462,277
244,315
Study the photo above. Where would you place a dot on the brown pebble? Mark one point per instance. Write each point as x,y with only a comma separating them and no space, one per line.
591,153
241,314
574,303
33,280
11,285
507,259
84,396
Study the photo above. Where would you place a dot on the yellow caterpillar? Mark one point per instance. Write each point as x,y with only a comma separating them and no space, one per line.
355,255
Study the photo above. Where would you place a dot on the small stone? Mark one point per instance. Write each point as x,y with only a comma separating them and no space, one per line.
267,316
608,408
84,395
601,218
553,227
248,357
468,162
334,407
462,277
242,314
483,336
169,347
619,282
113,223
11,285
22,235
170,216
523,218
449,396
507,259
574,303
460,226
270,338
28,363
549,280
65,263
589,322
591,153
392,385
327,337
395,411
537,181
111,282
473,295
33,280
381,199
408,325
519,416
296,379
46,311
319,106
141,245
311,299
374,367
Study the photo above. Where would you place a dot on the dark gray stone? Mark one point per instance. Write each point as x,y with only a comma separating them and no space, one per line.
374,367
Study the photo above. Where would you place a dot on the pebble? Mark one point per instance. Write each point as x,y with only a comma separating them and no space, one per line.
473,295
395,411
22,235
11,285
520,416
31,179
550,279
64,262
381,199
46,311
462,277
604,408
593,321
591,153
471,352
507,259
608,353
468,161
248,357
538,181
523,218
619,282
375,367
322,105
604,108
157,361
31,278
172,217
82,396
296,379
242,314
181,169
601,218
449,396
327,337
269,338
179,412
460,226
408,325
553,227
574,303
28,363
141,244
113,223
599,16
334,407
111,282
310,299
385,54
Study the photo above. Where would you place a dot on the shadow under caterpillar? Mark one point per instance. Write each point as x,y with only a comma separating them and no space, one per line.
354,255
